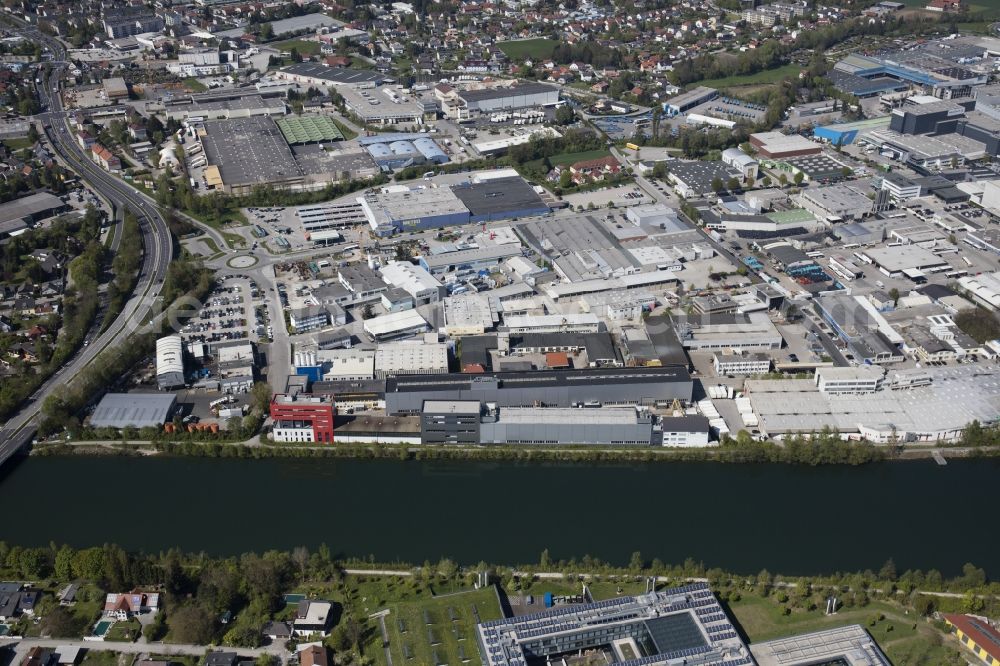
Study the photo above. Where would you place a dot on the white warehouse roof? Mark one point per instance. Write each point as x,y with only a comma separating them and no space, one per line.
169,355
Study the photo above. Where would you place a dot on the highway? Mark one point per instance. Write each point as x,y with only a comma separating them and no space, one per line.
156,240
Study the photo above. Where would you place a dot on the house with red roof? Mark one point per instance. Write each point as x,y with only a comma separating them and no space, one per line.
598,169
129,604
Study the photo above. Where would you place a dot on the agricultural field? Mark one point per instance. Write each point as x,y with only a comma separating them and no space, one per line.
440,630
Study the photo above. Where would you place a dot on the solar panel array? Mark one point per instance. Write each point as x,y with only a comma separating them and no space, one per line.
501,639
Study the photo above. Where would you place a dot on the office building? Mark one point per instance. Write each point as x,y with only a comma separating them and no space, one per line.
682,625
741,364
302,418
169,362
849,380
450,422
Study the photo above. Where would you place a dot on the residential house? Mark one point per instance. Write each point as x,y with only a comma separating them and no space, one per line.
129,604
278,631
598,169
313,617
108,160
15,601
314,655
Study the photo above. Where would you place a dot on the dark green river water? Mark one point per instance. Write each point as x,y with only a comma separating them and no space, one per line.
793,520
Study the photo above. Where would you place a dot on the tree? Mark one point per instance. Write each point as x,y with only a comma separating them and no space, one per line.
565,115
717,185
888,570
367,312
191,624
798,177
62,623
733,184
636,563
565,179
894,295
266,31
783,179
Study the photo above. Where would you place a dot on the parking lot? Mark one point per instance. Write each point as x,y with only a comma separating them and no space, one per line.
228,315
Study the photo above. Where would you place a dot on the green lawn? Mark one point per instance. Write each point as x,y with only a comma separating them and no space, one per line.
14,145
906,639
535,49
105,658
345,130
304,47
194,85
765,76
124,632
566,158
451,631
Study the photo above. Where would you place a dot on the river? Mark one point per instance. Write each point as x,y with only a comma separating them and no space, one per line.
788,519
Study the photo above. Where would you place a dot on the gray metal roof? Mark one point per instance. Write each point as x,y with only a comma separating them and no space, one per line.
118,410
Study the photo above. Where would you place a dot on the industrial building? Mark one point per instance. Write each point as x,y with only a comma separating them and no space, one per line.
136,410
216,108
309,129
845,646
866,76
776,146
934,407
673,626
169,362
18,215
695,179
302,418
742,162
487,257
553,388
314,74
869,337
249,152
395,325
753,330
414,280
411,357
844,134
404,151
385,105
500,199
611,426
502,98
836,203
403,208
686,101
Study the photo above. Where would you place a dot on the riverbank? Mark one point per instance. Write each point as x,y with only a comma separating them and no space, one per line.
845,453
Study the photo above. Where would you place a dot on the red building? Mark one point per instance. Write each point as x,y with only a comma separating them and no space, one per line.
302,418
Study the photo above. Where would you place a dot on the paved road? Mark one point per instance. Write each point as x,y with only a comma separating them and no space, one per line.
22,646
157,249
